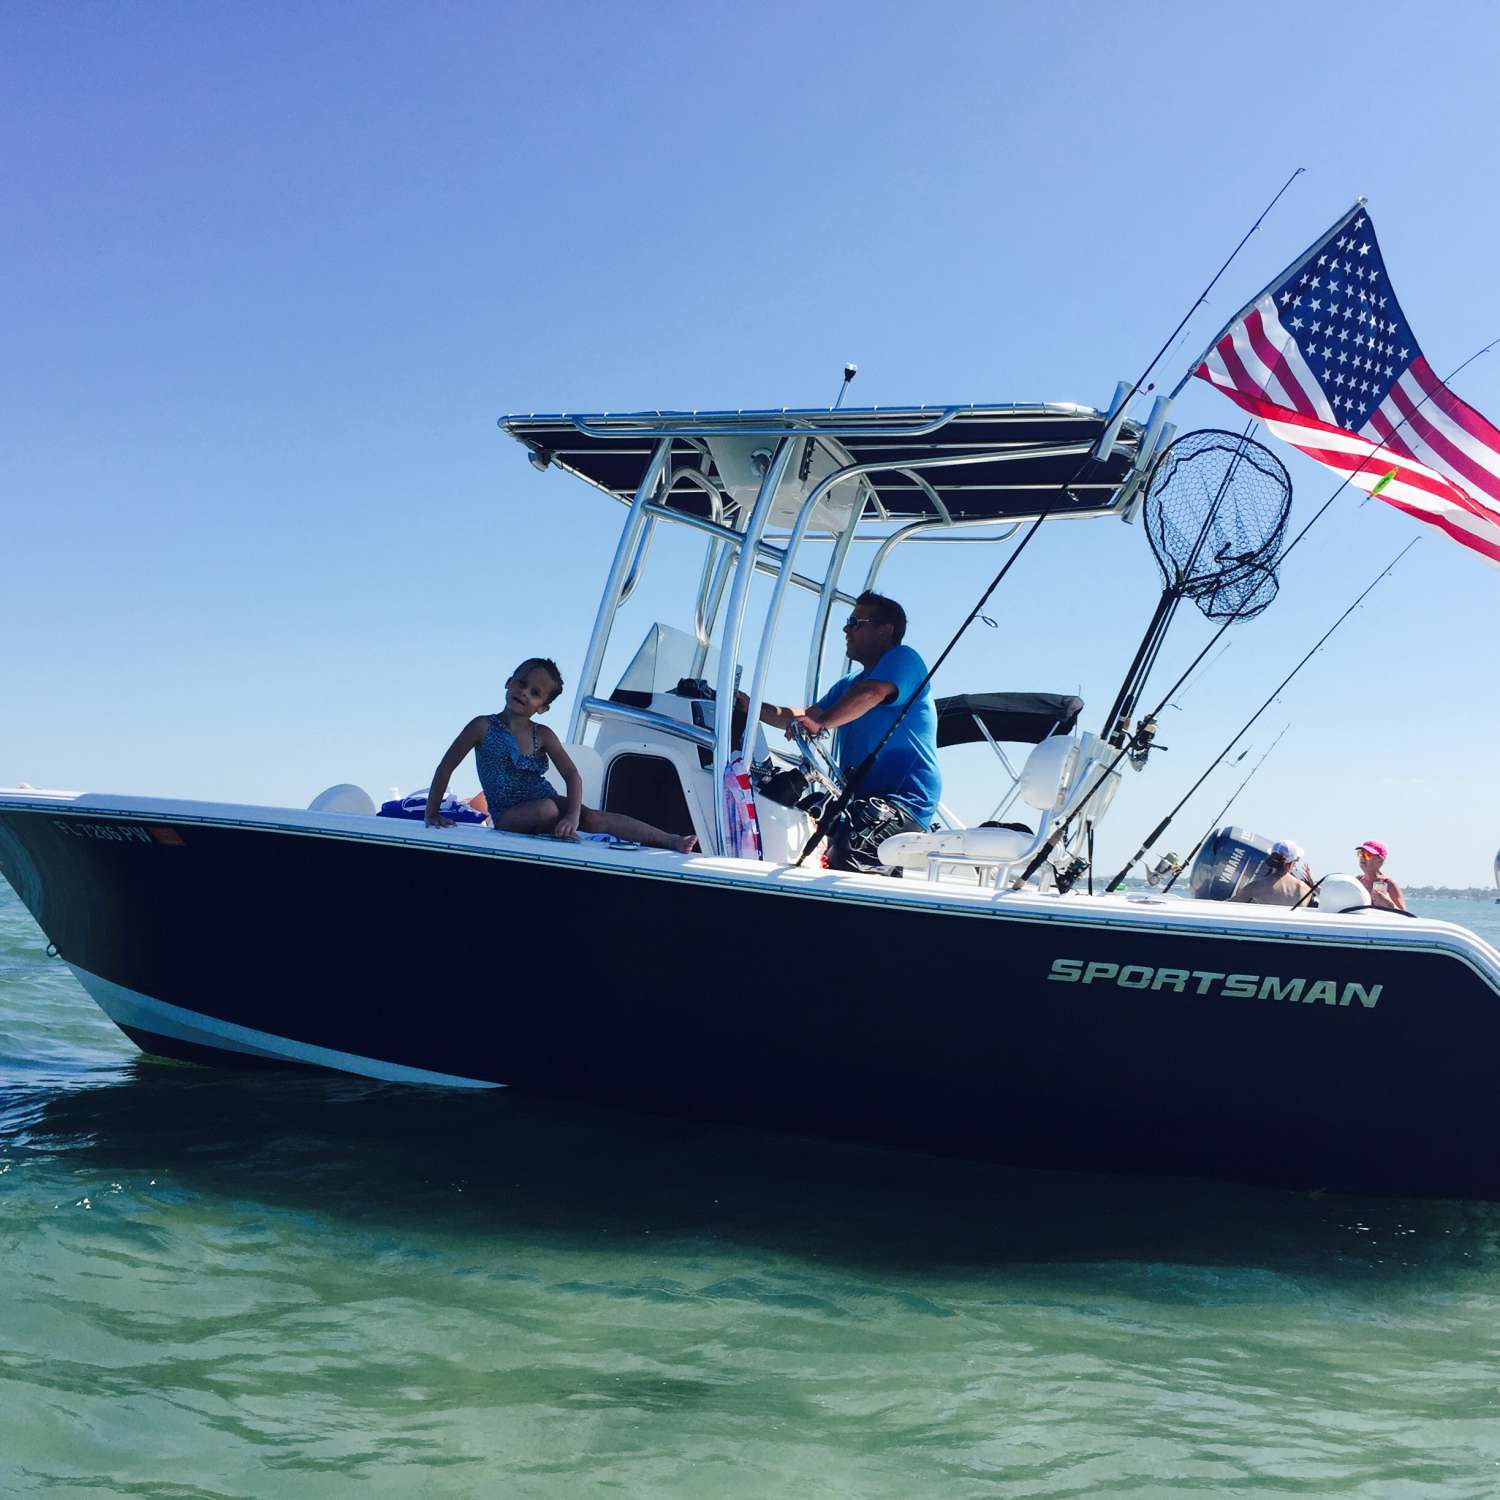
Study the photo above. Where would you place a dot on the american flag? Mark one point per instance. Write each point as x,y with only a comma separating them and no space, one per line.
1325,358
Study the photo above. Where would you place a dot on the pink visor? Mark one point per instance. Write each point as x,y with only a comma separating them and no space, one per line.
1375,847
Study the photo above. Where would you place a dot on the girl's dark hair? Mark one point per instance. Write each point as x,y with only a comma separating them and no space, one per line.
548,666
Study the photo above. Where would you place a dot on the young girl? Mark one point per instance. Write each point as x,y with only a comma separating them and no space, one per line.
511,752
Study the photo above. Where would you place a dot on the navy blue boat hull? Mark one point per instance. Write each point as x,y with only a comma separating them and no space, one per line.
950,1030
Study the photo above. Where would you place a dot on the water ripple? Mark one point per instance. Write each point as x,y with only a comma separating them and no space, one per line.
225,1286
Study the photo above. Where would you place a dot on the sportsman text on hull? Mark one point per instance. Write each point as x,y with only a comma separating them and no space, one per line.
1210,982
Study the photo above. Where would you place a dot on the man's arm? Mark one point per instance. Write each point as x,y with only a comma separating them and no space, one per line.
856,701
770,713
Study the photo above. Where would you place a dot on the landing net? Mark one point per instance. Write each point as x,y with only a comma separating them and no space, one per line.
1215,514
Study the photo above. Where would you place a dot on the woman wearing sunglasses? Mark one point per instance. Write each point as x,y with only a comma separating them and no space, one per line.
1383,890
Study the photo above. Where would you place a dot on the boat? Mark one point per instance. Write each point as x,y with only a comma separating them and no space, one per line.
963,1008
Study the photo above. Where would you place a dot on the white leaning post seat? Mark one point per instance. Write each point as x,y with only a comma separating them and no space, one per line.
1043,780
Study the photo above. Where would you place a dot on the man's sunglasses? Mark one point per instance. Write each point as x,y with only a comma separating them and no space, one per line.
854,622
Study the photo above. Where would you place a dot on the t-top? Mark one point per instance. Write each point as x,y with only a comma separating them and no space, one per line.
906,770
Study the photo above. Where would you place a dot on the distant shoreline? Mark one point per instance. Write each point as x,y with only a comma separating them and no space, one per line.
1412,892
1452,892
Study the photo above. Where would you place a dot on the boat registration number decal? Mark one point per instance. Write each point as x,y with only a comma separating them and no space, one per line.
120,833
1212,982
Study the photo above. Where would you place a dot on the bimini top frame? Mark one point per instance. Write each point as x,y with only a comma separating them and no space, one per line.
976,463
887,474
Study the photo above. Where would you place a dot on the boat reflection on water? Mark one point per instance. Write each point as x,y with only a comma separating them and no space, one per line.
501,1171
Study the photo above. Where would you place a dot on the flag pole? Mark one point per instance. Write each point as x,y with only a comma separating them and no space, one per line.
1359,208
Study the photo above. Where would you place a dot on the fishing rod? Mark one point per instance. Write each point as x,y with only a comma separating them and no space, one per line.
1061,832
1238,581
1161,827
1224,651
835,808
1192,853
1169,864
1126,391
842,800
1203,295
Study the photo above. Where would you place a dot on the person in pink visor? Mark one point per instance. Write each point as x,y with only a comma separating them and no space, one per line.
1383,890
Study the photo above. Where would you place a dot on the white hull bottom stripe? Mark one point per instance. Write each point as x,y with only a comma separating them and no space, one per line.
139,1012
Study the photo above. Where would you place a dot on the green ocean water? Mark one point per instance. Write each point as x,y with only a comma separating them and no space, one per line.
246,1285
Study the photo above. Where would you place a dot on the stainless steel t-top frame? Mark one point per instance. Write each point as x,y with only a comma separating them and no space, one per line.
739,547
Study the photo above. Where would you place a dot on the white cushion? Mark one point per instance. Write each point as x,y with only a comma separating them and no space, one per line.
909,851
1046,772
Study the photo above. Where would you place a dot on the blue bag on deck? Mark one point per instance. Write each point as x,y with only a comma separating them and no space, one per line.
415,806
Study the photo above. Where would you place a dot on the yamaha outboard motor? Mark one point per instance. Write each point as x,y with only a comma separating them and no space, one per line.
1226,861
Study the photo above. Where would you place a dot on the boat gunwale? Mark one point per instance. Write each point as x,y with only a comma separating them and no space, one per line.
1135,912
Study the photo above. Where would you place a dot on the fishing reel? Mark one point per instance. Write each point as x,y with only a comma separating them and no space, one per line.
1143,742
1070,874
1168,867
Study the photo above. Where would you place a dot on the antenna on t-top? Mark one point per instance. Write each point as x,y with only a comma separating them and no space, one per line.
850,370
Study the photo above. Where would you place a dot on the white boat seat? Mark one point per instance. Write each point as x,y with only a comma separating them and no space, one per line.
1043,781
1048,769
909,851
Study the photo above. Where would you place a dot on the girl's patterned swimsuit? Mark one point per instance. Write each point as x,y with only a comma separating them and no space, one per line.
508,777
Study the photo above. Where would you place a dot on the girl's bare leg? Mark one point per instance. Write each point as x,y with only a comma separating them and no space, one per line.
530,817
593,821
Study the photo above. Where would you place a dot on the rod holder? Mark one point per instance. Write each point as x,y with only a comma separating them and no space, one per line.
1116,419
1156,425
1154,440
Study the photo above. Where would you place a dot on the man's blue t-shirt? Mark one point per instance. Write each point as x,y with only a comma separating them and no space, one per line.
906,771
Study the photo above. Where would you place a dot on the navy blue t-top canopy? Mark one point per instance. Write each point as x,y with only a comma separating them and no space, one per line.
1008,478
1027,718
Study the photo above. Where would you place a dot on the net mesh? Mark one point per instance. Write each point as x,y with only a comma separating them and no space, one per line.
1215,514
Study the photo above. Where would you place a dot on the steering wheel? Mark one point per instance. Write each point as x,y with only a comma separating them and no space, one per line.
816,761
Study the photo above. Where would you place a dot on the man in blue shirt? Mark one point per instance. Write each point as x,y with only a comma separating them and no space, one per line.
899,792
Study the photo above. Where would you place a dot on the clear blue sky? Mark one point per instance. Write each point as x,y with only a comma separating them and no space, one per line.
270,273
